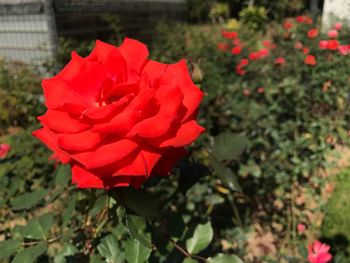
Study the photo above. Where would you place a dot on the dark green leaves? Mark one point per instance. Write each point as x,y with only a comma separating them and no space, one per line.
138,201
8,247
225,258
37,228
226,175
28,200
201,238
136,226
109,249
63,175
30,254
136,252
229,146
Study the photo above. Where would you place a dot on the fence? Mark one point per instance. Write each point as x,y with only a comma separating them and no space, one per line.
29,29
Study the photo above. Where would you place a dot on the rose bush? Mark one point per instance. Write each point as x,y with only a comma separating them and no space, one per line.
117,117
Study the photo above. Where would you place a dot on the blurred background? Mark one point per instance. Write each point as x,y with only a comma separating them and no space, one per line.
32,31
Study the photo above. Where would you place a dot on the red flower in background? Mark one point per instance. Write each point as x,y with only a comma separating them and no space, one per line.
308,20
236,42
301,228
261,90
300,19
333,44
298,45
310,60
306,50
4,149
318,253
344,49
117,117
332,33
312,33
280,61
236,50
222,46
329,44
287,25
229,34
338,26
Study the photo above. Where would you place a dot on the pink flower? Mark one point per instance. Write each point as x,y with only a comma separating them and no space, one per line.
261,90
323,44
280,61
236,42
301,228
338,26
332,33
318,253
4,149
298,45
344,49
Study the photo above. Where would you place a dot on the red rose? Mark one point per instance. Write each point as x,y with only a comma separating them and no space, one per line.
312,33
229,34
280,61
4,149
117,117
300,19
306,50
310,60
236,50
287,25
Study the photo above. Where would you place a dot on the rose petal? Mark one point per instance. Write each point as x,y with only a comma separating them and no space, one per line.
135,54
62,122
168,160
170,100
142,165
123,122
57,93
111,153
47,138
79,141
177,74
152,72
107,111
85,179
111,59
185,135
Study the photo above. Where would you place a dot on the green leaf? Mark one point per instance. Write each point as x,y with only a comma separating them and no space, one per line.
138,201
135,226
30,254
225,258
190,174
189,260
99,204
8,247
63,175
226,175
109,249
136,252
28,200
202,236
68,250
37,228
229,146
68,212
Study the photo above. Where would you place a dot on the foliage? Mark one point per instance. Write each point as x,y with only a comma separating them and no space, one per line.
254,18
20,95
